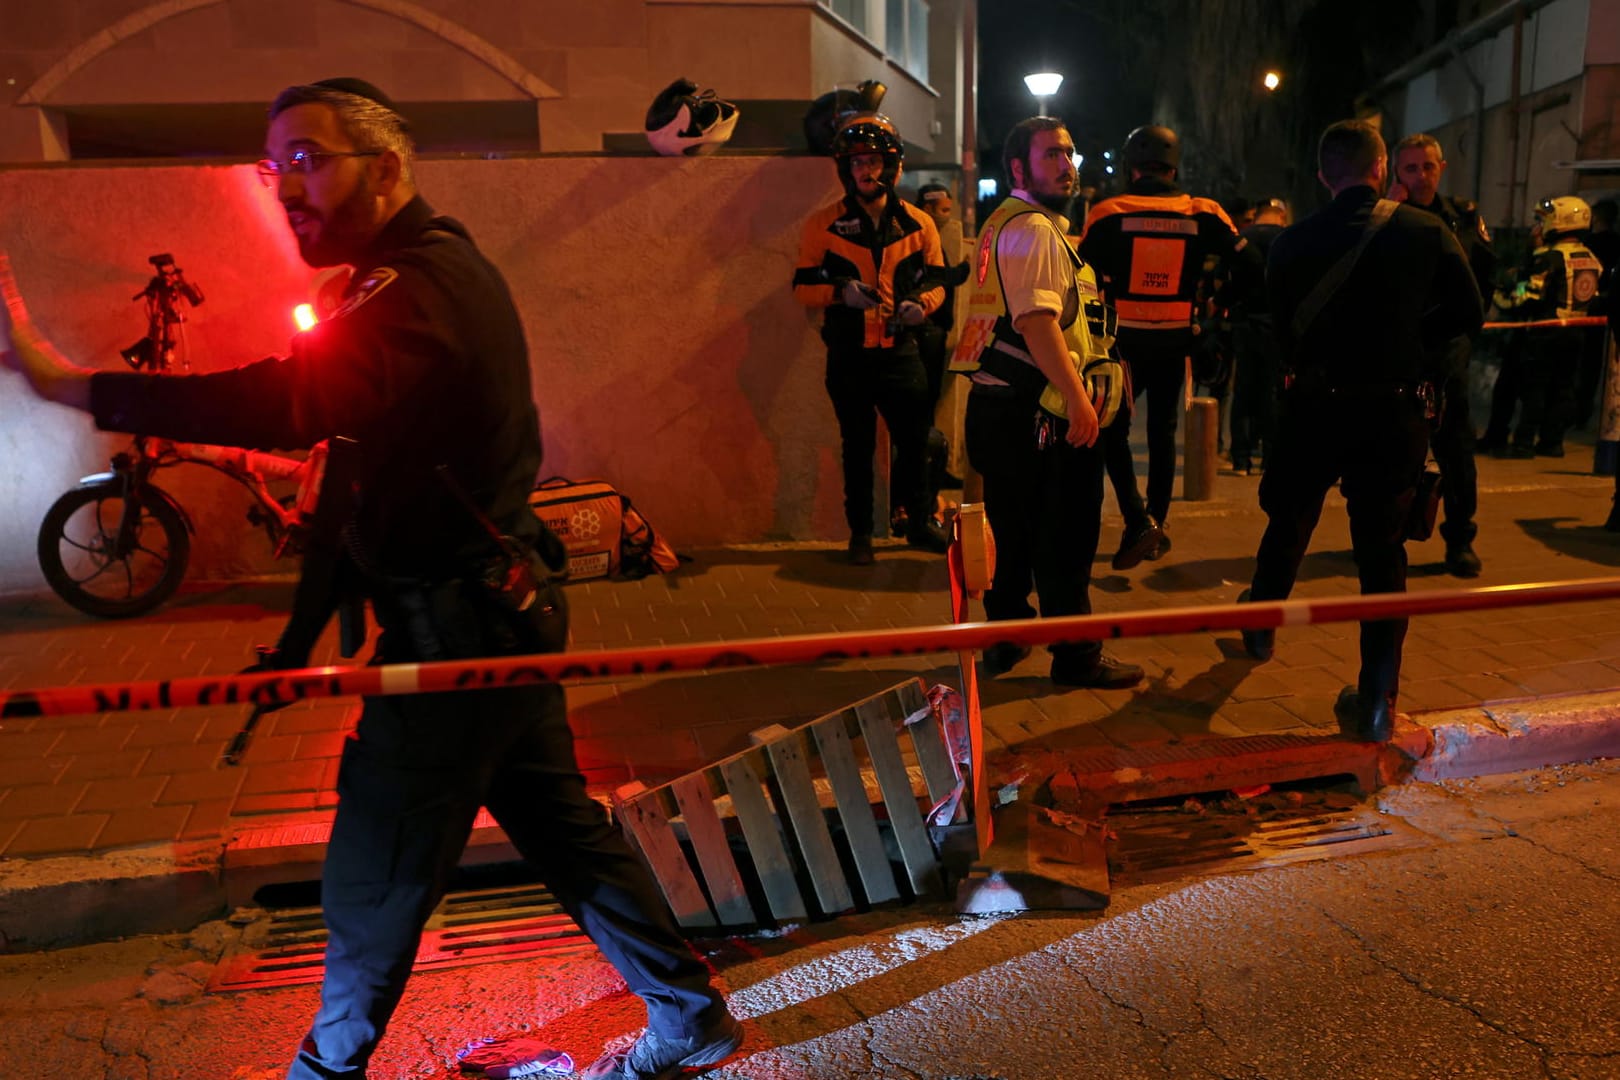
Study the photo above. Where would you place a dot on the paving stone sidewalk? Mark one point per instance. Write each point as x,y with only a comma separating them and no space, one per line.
99,783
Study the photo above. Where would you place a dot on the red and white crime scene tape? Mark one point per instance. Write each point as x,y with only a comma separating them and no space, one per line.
1535,324
285,687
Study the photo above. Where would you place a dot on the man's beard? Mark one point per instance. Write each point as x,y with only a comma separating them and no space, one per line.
870,194
344,232
1055,201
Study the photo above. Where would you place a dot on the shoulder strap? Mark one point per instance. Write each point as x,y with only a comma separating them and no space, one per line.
1313,304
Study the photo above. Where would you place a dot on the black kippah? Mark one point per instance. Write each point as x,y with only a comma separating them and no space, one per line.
359,88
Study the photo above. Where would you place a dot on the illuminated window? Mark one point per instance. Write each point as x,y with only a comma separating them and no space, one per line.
902,33
851,11
906,38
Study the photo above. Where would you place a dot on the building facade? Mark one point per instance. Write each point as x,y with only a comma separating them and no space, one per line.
189,78
1525,100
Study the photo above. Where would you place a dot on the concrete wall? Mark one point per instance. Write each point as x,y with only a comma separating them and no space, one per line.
1552,52
1546,119
1569,108
669,356
591,69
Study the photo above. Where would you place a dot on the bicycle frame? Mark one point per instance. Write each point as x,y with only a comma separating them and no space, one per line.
120,527
253,469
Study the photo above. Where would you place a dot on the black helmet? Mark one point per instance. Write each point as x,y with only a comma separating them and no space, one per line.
1152,144
831,110
868,133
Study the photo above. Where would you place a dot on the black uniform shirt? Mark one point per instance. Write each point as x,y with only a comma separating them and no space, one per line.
1245,293
1410,293
1465,223
424,363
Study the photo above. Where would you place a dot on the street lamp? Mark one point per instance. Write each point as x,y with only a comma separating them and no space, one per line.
1272,80
1043,84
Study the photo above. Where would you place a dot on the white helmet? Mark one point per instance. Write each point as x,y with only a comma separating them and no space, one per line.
1563,215
682,121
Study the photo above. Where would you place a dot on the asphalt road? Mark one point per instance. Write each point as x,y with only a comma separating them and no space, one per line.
1483,942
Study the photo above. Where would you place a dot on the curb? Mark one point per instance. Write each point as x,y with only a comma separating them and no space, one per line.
167,888
79,899
1508,736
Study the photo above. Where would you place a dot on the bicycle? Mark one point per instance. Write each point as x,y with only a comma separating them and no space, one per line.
118,545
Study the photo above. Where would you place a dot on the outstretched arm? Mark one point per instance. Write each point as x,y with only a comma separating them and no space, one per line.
24,349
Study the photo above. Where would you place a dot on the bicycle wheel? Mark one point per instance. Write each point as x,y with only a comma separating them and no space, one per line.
80,556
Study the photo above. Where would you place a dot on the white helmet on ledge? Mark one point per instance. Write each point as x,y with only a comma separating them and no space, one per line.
684,122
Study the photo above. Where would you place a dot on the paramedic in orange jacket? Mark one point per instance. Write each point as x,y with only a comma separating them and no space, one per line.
862,260
1149,245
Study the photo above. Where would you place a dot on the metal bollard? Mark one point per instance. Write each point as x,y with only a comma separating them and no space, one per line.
1198,466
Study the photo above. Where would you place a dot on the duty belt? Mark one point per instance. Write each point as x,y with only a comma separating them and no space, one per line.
1013,366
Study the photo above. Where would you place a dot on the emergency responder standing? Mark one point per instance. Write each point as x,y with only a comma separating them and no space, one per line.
934,341
1359,402
1419,165
935,201
1560,282
862,260
1149,246
1034,345
1258,379
425,366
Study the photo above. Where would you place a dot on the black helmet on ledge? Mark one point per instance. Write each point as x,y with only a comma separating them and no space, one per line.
831,110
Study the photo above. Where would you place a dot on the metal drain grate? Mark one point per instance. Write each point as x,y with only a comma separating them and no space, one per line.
474,926
1160,846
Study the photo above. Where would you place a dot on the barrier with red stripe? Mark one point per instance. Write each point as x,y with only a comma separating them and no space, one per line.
1583,320
285,687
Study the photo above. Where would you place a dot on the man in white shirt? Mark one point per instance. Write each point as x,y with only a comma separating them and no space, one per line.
1035,318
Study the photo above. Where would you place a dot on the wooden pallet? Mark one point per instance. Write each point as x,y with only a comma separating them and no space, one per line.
779,794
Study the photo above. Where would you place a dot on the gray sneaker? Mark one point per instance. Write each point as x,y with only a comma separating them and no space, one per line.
654,1057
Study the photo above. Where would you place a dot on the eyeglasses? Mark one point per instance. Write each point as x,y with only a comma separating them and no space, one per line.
304,162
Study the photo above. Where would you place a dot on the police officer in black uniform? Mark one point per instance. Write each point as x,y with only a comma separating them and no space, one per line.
1356,411
425,365
1419,165
1258,379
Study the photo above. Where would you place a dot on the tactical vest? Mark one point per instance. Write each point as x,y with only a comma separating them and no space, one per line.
990,344
1581,273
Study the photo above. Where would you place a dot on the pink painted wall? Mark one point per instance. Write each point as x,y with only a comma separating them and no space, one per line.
669,356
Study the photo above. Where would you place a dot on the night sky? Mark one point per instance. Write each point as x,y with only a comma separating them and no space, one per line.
1125,62
1098,98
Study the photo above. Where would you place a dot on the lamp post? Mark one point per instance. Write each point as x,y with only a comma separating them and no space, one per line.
1043,84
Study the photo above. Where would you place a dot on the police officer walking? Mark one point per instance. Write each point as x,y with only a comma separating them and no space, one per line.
1257,380
1150,246
425,366
1357,411
1419,165
1035,345
860,260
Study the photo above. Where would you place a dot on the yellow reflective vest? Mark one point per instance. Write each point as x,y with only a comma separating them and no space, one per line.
1561,283
991,345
